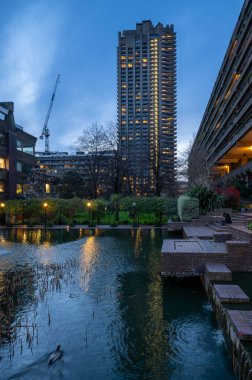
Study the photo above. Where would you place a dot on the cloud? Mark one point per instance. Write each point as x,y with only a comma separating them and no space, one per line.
28,50
81,115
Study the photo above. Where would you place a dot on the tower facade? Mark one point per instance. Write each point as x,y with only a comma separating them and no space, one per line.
147,107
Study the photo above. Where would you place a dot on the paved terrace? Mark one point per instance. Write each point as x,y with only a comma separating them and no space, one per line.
181,258
192,246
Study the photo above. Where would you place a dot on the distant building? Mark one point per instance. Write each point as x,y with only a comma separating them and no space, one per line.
17,155
225,134
146,65
56,164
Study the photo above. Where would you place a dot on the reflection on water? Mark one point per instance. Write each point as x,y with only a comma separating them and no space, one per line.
100,296
41,236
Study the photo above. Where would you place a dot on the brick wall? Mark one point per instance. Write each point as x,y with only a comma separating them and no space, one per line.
240,233
237,258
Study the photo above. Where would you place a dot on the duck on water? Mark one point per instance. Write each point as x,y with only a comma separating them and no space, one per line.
55,355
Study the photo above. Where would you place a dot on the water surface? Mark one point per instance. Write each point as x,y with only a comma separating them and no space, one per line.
102,299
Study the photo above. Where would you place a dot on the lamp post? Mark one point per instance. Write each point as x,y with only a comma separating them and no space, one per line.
3,214
45,207
89,214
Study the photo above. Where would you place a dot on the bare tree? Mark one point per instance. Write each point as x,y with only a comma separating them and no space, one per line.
118,167
38,180
94,144
192,165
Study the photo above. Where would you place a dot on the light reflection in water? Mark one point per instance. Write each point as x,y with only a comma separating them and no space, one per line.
89,254
124,322
138,242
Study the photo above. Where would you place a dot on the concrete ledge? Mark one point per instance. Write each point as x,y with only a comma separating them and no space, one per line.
230,293
217,272
237,243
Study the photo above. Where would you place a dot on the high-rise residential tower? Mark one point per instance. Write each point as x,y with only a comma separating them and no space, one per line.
147,107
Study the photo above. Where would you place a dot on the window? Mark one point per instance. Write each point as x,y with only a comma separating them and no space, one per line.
2,138
28,150
19,145
47,188
2,163
19,166
19,189
2,186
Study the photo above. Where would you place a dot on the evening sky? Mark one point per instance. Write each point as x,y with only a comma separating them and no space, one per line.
78,39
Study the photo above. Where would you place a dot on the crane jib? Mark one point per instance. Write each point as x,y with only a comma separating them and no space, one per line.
45,131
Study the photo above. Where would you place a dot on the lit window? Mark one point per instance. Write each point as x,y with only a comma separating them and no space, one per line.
2,163
19,189
47,188
2,186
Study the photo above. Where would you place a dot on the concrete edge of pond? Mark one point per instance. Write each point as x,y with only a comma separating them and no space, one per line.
82,226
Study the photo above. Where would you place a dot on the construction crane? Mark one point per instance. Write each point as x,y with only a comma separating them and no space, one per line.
45,132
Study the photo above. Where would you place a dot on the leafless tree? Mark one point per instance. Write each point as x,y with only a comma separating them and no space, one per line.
118,166
192,165
94,144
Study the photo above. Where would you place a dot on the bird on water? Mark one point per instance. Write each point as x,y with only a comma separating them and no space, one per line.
55,355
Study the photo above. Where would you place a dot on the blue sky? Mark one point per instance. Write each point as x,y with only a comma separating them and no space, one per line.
78,40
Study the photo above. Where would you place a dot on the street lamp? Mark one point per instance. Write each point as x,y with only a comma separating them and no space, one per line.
89,213
45,207
3,214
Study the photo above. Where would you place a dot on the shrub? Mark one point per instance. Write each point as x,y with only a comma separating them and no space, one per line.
175,218
49,223
231,197
113,225
208,199
125,221
188,208
60,219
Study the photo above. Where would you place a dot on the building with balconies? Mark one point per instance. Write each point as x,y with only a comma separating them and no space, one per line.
146,67
225,134
17,155
98,167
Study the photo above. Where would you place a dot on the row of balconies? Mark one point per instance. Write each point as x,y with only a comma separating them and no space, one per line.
230,116
224,79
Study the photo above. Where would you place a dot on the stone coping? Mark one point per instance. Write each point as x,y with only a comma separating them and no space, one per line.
217,268
237,243
230,293
83,226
